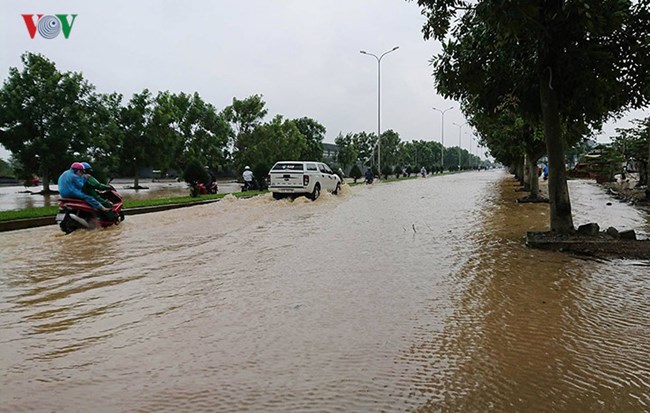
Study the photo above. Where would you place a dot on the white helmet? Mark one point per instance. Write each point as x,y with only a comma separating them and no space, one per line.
247,167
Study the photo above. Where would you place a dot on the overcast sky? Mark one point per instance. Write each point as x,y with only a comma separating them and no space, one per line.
301,55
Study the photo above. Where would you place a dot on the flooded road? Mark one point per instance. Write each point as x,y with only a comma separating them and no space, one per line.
409,296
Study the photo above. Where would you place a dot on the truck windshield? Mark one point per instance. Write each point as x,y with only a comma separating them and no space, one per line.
287,167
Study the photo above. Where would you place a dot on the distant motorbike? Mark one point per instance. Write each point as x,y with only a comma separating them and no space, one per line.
76,214
212,188
369,180
250,186
199,188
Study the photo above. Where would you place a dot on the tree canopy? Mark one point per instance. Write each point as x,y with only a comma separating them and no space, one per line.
570,65
44,117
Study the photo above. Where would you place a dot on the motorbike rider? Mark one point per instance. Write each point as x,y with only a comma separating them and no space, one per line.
71,183
369,176
248,177
92,185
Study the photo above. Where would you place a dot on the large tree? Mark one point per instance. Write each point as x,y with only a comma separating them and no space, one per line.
45,117
347,154
142,143
105,119
634,143
364,143
270,142
314,134
586,60
244,115
196,130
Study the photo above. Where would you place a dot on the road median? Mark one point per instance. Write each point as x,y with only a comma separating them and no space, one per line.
16,224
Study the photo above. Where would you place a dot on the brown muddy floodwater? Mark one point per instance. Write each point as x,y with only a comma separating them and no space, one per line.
410,296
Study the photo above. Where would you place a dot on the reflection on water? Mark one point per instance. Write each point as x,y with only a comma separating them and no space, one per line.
393,297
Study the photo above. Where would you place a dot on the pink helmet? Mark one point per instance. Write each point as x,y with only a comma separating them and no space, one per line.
77,165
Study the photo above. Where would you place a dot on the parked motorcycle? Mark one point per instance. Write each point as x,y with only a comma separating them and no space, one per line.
76,213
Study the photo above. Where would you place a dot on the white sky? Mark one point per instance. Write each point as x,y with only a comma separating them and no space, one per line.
301,55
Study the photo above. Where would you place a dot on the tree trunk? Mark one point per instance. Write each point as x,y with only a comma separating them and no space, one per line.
558,191
519,170
647,170
527,174
533,177
136,179
46,182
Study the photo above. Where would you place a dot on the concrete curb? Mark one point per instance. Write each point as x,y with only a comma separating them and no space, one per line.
17,224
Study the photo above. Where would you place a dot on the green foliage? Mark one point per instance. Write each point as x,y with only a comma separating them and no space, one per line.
386,170
314,133
260,173
270,142
418,153
103,154
45,117
363,143
196,172
141,144
348,153
196,130
634,143
355,172
390,143
5,169
567,65
245,115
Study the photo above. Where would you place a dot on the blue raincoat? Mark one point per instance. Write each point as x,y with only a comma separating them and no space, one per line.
71,185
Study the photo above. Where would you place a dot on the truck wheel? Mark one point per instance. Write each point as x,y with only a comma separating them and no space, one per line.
277,195
316,193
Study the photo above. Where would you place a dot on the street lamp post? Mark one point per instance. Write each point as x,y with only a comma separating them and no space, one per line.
379,101
471,154
460,135
442,151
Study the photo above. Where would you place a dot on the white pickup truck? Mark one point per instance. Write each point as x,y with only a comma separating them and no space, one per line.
302,178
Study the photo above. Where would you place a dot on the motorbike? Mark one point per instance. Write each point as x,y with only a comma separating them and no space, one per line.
250,186
199,188
75,213
212,188
369,180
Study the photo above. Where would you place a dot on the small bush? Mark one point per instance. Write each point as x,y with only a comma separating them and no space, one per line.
194,174
386,170
355,172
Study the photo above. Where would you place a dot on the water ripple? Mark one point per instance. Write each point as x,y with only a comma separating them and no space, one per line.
392,297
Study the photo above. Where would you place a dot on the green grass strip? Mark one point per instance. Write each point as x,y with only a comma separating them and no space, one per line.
136,203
